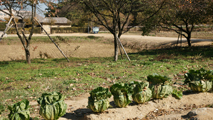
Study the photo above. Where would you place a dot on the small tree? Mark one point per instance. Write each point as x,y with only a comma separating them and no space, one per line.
13,9
181,16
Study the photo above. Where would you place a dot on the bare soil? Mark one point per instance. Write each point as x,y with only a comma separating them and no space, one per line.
164,109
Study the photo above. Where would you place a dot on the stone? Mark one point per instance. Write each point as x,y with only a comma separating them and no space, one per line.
200,114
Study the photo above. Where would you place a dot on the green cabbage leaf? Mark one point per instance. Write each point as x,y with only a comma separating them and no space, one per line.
197,75
142,93
160,86
19,111
161,91
156,79
199,80
122,93
52,105
98,100
177,94
200,86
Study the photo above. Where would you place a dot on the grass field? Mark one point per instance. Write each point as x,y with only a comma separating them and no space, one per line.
72,46
19,80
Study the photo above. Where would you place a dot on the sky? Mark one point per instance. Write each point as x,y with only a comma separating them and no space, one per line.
41,9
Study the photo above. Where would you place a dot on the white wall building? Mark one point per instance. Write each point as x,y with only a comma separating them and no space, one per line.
55,22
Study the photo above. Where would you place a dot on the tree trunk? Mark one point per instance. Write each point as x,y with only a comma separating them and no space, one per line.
189,39
115,47
27,52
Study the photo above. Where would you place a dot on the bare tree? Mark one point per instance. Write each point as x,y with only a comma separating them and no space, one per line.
117,15
181,16
14,10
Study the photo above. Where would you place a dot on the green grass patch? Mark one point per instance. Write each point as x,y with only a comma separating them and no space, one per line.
57,39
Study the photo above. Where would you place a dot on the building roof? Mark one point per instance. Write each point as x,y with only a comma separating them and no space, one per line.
56,20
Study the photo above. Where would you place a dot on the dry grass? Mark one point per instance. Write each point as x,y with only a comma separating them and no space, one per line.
91,46
49,50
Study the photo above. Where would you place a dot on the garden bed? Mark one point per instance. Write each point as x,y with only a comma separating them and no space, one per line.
77,108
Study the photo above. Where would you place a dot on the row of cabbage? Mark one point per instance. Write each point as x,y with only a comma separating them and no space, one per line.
52,105
156,87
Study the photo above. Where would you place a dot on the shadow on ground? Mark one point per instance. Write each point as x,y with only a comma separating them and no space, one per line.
168,52
78,114
184,42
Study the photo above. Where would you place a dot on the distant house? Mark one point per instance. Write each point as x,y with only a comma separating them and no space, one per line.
20,15
55,22
47,22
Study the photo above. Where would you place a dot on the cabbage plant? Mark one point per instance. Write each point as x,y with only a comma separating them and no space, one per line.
199,80
98,100
200,86
19,111
142,93
160,86
122,93
52,105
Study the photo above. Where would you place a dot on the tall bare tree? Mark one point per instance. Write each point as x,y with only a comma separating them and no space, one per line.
117,15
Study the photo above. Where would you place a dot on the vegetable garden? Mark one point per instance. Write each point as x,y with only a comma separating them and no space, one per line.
52,105
129,84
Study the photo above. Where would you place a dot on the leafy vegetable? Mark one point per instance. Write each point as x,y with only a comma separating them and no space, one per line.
142,93
156,79
177,94
122,94
160,86
98,100
19,111
199,80
52,105
196,75
161,91
200,86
